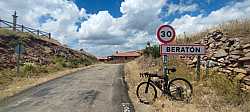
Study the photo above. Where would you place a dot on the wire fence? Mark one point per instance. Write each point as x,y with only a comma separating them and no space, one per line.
22,28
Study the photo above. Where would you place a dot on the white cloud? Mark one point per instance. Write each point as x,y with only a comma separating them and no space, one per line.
181,8
100,31
103,34
192,24
132,30
65,12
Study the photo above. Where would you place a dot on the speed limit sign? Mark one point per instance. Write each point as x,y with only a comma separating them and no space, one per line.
165,34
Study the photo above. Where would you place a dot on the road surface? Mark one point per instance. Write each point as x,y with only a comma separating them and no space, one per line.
100,88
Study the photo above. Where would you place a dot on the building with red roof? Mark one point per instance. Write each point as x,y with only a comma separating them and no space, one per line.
125,56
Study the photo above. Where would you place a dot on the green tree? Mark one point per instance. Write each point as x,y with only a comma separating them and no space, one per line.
153,51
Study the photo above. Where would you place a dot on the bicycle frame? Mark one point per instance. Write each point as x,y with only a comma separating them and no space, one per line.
165,85
160,88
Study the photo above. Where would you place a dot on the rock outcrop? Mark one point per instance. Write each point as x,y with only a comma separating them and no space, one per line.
37,51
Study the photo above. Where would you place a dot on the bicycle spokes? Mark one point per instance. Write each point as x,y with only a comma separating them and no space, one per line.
180,89
146,93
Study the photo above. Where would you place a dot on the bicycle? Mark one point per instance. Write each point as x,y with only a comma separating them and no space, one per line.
172,88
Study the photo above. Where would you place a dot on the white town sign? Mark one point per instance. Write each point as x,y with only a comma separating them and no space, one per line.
183,49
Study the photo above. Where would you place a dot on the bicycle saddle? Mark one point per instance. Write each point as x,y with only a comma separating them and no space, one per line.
172,69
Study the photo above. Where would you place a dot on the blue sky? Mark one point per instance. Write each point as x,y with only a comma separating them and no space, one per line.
205,7
102,27
94,6
113,7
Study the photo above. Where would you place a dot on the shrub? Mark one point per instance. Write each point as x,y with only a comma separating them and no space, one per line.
29,69
153,51
60,62
80,61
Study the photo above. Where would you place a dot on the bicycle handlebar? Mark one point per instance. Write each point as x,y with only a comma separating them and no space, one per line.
146,74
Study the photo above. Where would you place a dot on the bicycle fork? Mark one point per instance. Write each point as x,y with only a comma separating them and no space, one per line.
146,90
165,85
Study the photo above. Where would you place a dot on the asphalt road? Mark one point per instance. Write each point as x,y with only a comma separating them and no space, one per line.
100,88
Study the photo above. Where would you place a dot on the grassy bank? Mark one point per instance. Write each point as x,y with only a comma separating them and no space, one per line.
32,74
33,70
14,84
41,60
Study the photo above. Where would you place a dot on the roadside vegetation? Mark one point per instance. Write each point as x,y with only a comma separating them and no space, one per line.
32,73
215,92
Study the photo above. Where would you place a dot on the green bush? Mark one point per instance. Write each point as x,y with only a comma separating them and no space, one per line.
73,63
153,51
60,62
29,69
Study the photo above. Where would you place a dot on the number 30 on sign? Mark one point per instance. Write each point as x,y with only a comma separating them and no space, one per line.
165,34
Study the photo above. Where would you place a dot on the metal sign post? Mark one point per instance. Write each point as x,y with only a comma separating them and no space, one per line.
18,49
198,70
165,34
165,68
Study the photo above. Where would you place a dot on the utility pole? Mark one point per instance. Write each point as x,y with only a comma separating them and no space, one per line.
14,21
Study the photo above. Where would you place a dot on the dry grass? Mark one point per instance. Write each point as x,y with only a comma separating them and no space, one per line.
216,94
232,29
132,78
142,64
19,84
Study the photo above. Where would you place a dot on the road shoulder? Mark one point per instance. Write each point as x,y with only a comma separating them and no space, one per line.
19,86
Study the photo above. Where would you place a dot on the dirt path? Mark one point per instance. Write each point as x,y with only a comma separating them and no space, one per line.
97,89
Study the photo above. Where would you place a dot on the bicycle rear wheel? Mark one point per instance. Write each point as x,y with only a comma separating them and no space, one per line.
180,89
146,92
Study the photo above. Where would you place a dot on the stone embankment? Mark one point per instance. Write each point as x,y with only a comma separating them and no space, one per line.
227,55
36,51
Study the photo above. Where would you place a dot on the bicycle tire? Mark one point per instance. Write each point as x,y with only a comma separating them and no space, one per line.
176,92
139,96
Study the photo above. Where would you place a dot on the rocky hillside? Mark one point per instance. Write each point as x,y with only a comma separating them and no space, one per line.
228,55
36,50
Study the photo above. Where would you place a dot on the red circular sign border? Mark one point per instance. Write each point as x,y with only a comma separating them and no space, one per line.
158,34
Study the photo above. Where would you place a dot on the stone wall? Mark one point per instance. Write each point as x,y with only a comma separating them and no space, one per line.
227,55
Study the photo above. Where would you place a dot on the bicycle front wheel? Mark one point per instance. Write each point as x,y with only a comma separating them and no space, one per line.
180,89
146,92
